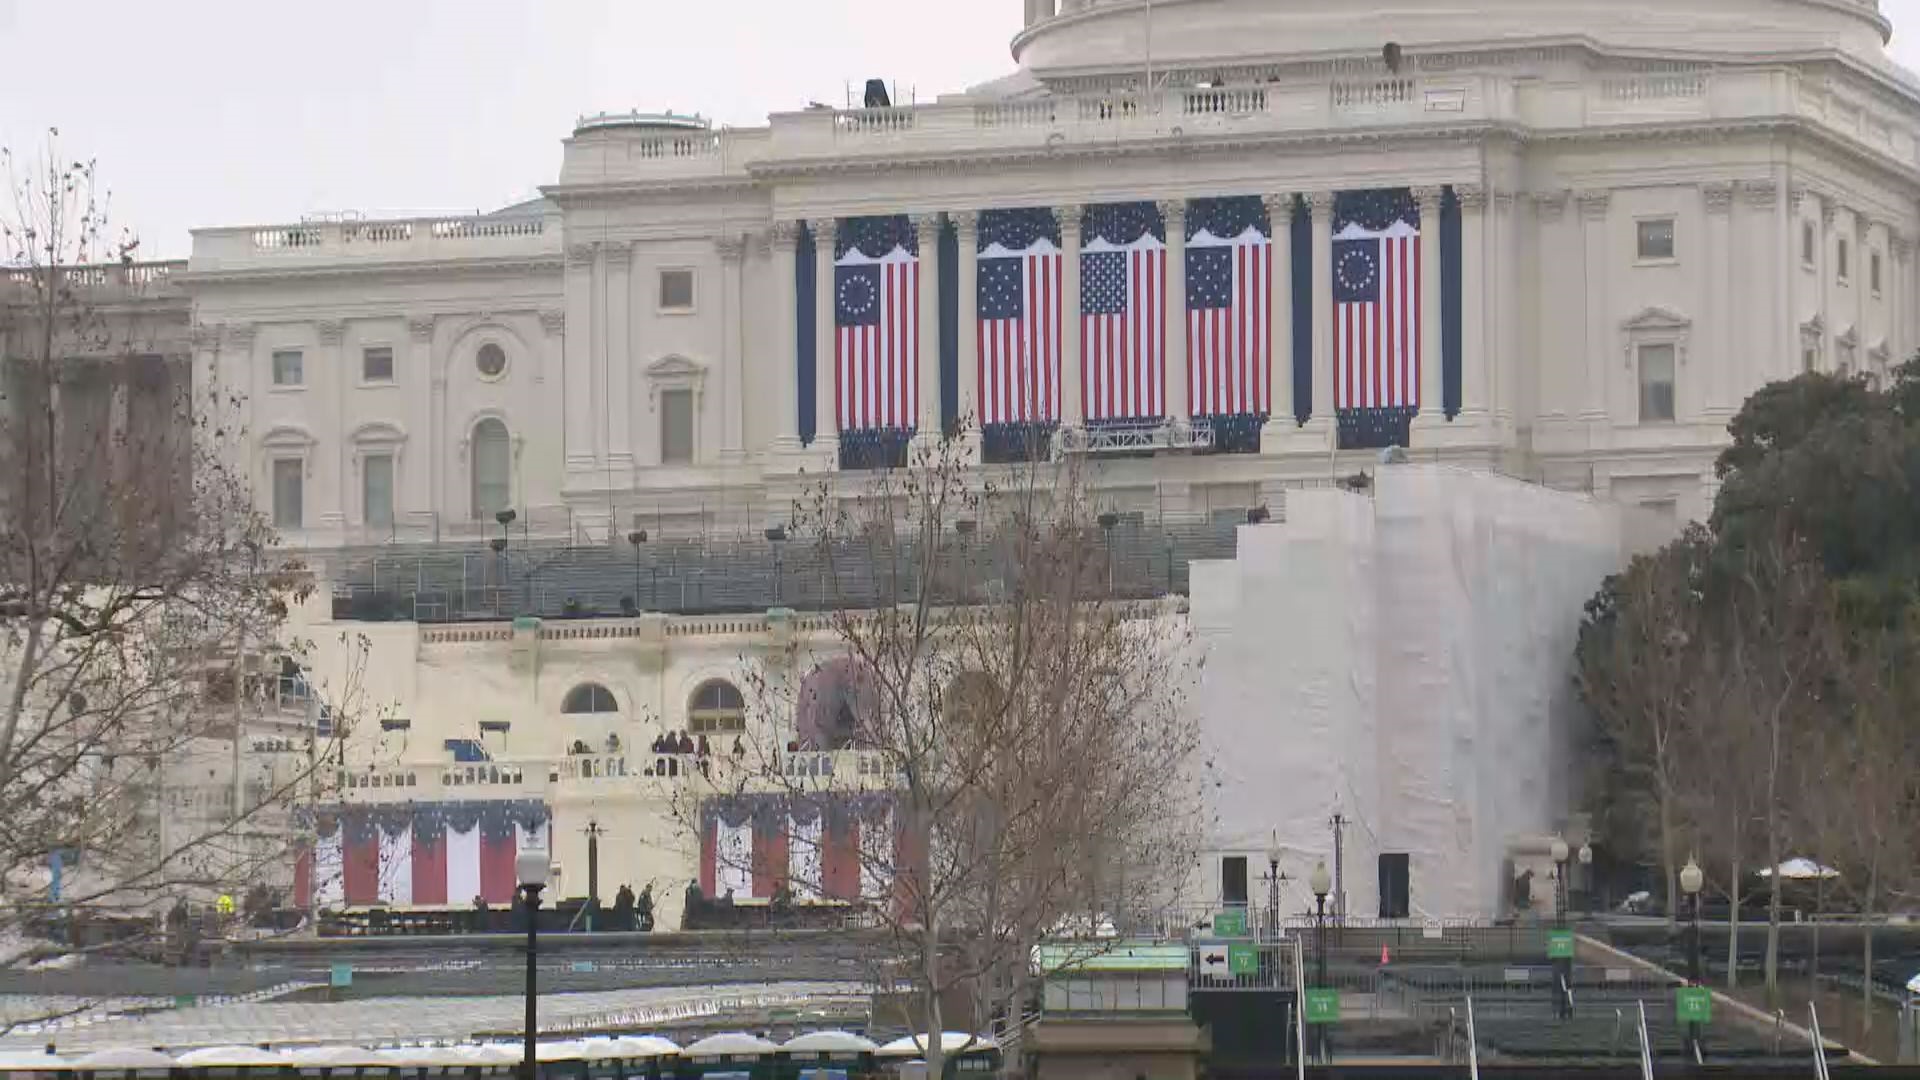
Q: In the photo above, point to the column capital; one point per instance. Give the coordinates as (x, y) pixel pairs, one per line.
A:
(420, 327)
(966, 224)
(1829, 206)
(1594, 203)
(1319, 203)
(1427, 197)
(730, 247)
(1502, 201)
(1279, 206)
(783, 235)
(554, 322)
(1471, 196)
(240, 334)
(1173, 210)
(1900, 244)
(824, 227)
(1070, 217)
(580, 254)
(616, 250)
(1550, 205)
(1761, 194)
(925, 226)
(332, 331)
(205, 337)
(1719, 197)
(1796, 194)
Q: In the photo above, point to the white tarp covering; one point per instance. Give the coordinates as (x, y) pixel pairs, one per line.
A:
(1402, 659)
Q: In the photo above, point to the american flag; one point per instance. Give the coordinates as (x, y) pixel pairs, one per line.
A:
(1122, 327)
(1376, 316)
(1229, 309)
(1019, 300)
(876, 315)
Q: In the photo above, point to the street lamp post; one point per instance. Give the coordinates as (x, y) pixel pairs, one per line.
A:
(1321, 883)
(1273, 886)
(532, 868)
(1562, 966)
(1690, 881)
(1586, 874)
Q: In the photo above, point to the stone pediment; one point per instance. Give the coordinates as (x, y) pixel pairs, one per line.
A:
(1655, 320)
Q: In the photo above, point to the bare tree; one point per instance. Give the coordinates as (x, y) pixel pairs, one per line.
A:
(1021, 725)
(142, 604)
(1722, 787)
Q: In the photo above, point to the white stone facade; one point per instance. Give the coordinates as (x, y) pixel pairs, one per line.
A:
(1563, 129)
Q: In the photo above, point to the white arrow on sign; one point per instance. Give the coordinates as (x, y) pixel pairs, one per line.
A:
(1214, 961)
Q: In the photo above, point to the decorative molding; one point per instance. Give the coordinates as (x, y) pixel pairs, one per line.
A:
(579, 256)
(332, 331)
(1503, 201)
(1470, 196)
(1429, 196)
(1829, 206)
(675, 372)
(1719, 197)
(206, 337)
(823, 228)
(1320, 204)
(1173, 212)
(553, 321)
(290, 440)
(617, 250)
(1550, 205)
(1901, 245)
(926, 227)
(240, 335)
(783, 235)
(1072, 219)
(1796, 194)
(1280, 209)
(1656, 326)
(420, 327)
(966, 225)
(731, 248)
(1594, 203)
(1761, 194)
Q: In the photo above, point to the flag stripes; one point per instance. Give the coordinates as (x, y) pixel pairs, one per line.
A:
(1123, 332)
(1020, 310)
(876, 340)
(1229, 317)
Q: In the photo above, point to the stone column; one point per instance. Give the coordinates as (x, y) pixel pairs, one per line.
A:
(1899, 339)
(1280, 415)
(1432, 319)
(578, 378)
(1827, 280)
(1173, 213)
(926, 231)
(1862, 278)
(1599, 339)
(781, 239)
(332, 505)
(1474, 405)
(412, 493)
(1722, 268)
(1073, 414)
(826, 388)
(966, 227)
(619, 354)
(1320, 205)
(732, 249)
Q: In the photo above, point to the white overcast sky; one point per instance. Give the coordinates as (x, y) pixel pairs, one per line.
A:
(238, 112)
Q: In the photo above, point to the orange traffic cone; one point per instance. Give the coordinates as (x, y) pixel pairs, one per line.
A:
(1385, 956)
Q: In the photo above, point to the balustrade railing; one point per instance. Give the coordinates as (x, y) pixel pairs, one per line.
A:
(875, 121)
(1372, 93)
(1229, 101)
(1659, 87)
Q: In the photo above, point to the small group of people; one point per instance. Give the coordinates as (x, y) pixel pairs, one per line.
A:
(631, 912)
(580, 745)
(679, 742)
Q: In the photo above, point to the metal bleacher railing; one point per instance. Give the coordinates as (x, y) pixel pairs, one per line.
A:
(472, 582)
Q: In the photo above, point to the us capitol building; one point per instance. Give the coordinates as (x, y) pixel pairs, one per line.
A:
(1222, 249)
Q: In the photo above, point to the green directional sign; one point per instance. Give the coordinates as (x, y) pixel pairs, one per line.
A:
(1243, 960)
(185, 1001)
(1560, 945)
(1230, 923)
(1693, 1005)
(1323, 1006)
(342, 975)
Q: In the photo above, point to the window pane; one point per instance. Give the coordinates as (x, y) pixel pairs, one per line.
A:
(286, 367)
(1875, 276)
(1656, 239)
(377, 489)
(288, 497)
(676, 427)
(1806, 243)
(376, 364)
(1845, 258)
(676, 289)
(492, 469)
(1656, 382)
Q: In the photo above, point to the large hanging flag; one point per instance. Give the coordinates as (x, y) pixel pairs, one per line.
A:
(1229, 307)
(1019, 306)
(1376, 303)
(876, 314)
(421, 855)
(1123, 288)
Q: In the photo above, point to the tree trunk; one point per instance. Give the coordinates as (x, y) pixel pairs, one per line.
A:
(1733, 927)
(1773, 916)
(1866, 934)
(1666, 848)
(930, 970)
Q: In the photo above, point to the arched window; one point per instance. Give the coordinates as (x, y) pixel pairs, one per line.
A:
(589, 698)
(716, 707)
(836, 702)
(492, 462)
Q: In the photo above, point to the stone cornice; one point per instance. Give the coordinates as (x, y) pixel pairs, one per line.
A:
(1718, 196)
(477, 267)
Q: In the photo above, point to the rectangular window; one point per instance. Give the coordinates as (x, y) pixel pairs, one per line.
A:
(676, 427)
(1873, 273)
(289, 495)
(1233, 879)
(376, 364)
(376, 489)
(287, 368)
(1656, 383)
(1843, 261)
(676, 290)
(1656, 239)
(1806, 359)
(1807, 247)
(1844, 359)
